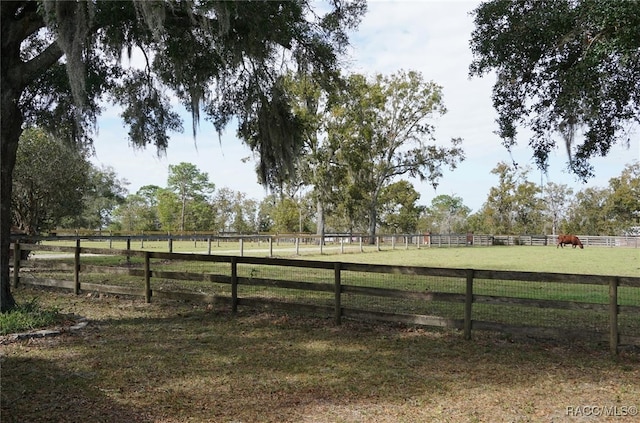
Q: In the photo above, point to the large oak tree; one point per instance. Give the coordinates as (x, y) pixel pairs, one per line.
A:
(569, 70)
(226, 59)
(382, 129)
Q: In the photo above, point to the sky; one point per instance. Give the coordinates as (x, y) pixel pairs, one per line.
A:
(429, 36)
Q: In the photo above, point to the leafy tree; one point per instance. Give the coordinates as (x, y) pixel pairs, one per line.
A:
(589, 214)
(50, 180)
(557, 200)
(104, 192)
(286, 216)
(234, 212)
(266, 211)
(528, 208)
(223, 207)
(169, 211)
(317, 166)
(245, 216)
(399, 212)
(512, 207)
(352, 208)
(148, 216)
(224, 58)
(383, 129)
(562, 67)
(447, 214)
(191, 186)
(200, 216)
(624, 200)
(135, 214)
(612, 210)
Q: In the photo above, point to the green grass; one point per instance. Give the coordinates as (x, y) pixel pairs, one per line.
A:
(172, 361)
(175, 362)
(26, 316)
(591, 260)
(597, 261)
(602, 261)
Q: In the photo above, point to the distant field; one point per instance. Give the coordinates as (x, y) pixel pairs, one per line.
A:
(591, 260)
(597, 261)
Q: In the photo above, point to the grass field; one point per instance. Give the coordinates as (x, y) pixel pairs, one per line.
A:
(603, 261)
(176, 362)
(596, 260)
(184, 362)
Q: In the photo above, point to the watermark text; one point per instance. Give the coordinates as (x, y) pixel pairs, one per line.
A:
(601, 410)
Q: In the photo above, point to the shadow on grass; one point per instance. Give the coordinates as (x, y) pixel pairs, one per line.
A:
(38, 390)
(177, 362)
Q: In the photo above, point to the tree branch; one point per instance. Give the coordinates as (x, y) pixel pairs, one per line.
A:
(32, 69)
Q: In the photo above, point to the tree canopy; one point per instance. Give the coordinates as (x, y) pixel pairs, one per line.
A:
(513, 206)
(50, 179)
(566, 69)
(383, 129)
(226, 59)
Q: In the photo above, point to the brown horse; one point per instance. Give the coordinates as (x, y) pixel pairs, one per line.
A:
(569, 239)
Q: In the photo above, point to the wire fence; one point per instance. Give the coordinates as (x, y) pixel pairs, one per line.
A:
(606, 307)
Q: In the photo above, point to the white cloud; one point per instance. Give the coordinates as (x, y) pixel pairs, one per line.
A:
(428, 36)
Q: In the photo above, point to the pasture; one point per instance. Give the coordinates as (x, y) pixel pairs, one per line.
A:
(591, 260)
(172, 361)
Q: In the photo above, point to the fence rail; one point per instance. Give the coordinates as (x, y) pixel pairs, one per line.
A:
(394, 240)
(604, 308)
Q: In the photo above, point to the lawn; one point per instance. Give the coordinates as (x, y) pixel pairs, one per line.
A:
(173, 361)
(590, 260)
(596, 260)
(177, 362)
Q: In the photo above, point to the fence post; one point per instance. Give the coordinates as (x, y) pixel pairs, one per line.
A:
(338, 293)
(241, 247)
(234, 284)
(361, 249)
(16, 263)
(270, 247)
(468, 303)
(170, 244)
(76, 268)
(297, 246)
(147, 277)
(613, 316)
(128, 249)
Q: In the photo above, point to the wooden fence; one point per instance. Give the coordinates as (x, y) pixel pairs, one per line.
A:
(464, 299)
(316, 244)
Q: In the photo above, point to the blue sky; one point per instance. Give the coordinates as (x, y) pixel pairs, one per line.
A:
(431, 37)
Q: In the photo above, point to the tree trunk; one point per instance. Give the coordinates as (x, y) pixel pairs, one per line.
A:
(320, 220)
(373, 221)
(11, 128)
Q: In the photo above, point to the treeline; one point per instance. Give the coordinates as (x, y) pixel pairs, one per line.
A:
(57, 186)
(516, 205)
